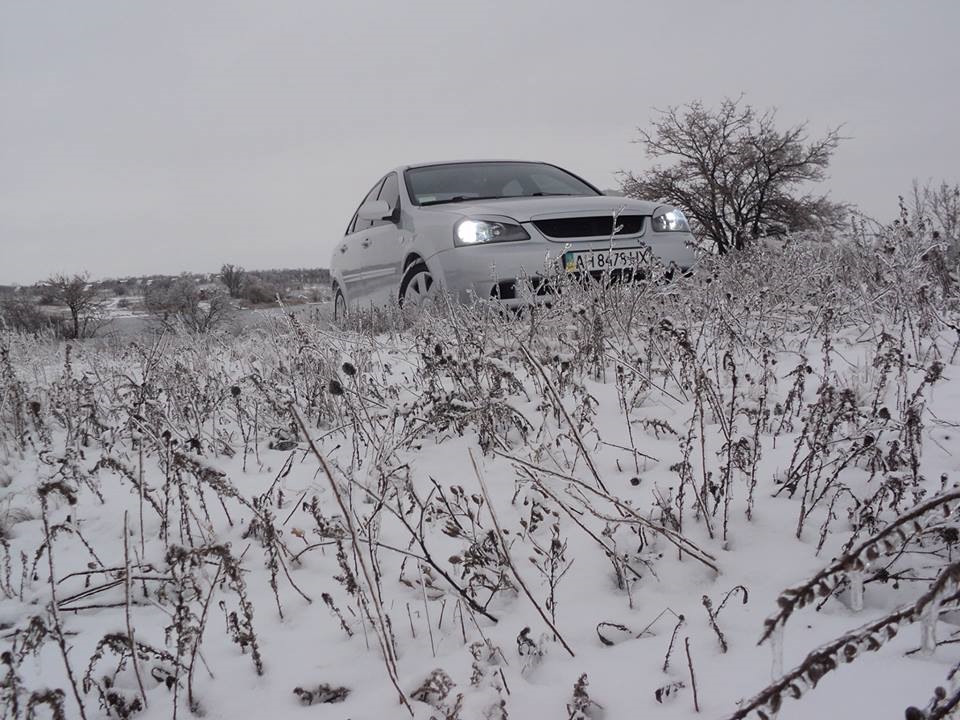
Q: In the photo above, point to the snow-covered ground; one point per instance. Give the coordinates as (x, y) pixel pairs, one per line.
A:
(620, 486)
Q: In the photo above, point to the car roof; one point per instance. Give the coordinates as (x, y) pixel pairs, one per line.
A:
(470, 161)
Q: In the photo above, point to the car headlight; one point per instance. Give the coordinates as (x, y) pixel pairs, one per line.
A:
(670, 220)
(476, 232)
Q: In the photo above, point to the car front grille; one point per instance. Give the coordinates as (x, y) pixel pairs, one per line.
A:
(589, 227)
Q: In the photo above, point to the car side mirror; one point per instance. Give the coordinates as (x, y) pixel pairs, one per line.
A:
(375, 210)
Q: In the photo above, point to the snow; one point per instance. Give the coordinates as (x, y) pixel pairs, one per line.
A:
(379, 455)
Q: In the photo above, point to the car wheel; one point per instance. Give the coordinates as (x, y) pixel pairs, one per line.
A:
(418, 286)
(339, 307)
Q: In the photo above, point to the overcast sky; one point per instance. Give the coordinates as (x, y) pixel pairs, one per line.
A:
(168, 136)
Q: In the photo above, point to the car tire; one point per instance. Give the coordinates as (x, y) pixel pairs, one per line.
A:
(339, 307)
(418, 285)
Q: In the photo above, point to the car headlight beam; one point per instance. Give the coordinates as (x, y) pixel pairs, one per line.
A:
(670, 220)
(478, 231)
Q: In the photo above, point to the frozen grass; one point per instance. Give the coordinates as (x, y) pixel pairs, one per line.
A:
(593, 510)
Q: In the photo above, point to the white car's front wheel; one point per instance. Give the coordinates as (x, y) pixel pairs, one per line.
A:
(418, 286)
(339, 307)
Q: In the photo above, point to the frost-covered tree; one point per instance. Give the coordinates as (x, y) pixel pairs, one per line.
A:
(181, 302)
(232, 276)
(79, 296)
(735, 172)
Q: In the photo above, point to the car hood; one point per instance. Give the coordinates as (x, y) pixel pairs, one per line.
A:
(525, 209)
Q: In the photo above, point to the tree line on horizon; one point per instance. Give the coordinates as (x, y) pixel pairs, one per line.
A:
(75, 306)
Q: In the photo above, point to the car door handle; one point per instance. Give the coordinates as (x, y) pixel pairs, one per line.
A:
(365, 242)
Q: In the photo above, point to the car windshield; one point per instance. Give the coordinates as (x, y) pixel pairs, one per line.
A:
(463, 182)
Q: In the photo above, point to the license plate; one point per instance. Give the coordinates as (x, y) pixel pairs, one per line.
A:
(592, 260)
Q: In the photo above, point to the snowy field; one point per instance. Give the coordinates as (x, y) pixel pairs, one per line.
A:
(733, 496)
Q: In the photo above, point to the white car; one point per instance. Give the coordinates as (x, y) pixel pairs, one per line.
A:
(480, 230)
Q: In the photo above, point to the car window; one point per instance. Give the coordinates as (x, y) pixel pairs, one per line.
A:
(550, 184)
(353, 222)
(390, 194)
(356, 225)
(459, 182)
(512, 189)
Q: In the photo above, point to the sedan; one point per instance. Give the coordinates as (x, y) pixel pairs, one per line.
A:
(487, 229)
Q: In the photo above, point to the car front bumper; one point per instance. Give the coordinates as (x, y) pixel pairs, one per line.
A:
(500, 270)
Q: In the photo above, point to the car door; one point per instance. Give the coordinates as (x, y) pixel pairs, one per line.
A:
(385, 247)
(353, 256)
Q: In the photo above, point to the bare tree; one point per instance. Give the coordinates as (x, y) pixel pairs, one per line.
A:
(181, 303)
(232, 276)
(734, 172)
(79, 296)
